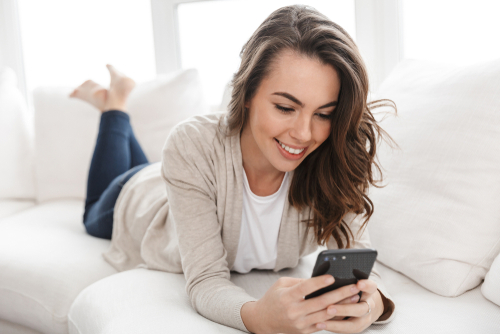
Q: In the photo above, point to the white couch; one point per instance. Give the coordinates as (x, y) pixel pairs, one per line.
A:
(53, 278)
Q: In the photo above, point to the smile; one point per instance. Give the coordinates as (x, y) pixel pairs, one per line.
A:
(290, 150)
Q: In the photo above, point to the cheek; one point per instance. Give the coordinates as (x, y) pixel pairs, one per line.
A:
(267, 124)
(323, 131)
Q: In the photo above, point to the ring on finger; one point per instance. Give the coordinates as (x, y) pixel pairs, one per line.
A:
(369, 307)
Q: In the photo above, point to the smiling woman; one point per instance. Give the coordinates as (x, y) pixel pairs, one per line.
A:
(241, 190)
(280, 130)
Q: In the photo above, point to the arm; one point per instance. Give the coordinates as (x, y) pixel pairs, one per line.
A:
(191, 191)
(363, 241)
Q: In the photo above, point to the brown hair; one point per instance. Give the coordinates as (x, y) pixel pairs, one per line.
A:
(333, 179)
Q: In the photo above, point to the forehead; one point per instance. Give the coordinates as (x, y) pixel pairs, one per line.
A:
(302, 76)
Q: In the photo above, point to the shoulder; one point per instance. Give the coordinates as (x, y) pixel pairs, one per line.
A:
(197, 133)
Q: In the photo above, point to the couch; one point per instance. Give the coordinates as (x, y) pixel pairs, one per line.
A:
(443, 274)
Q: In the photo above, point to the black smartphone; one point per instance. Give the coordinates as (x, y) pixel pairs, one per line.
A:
(347, 266)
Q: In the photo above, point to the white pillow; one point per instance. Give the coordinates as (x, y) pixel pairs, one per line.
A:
(491, 285)
(66, 128)
(437, 220)
(17, 177)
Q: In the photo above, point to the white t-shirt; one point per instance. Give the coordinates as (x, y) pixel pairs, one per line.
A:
(260, 224)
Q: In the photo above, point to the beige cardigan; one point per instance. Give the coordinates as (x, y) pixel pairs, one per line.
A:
(196, 230)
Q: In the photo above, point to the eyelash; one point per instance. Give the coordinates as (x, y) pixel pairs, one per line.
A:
(288, 110)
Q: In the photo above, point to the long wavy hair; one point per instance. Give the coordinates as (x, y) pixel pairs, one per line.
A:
(333, 179)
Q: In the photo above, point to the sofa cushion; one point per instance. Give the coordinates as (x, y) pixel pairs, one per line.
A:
(17, 174)
(66, 128)
(147, 301)
(47, 259)
(10, 207)
(437, 220)
(7, 327)
(491, 286)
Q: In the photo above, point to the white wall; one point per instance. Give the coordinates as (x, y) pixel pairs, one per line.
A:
(11, 54)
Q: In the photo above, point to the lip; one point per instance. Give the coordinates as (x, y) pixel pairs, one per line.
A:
(294, 147)
(289, 155)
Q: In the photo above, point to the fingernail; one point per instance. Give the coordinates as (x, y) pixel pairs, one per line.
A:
(354, 298)
(332, 310)
(354, 289)
(329, 280)
(361, 285)
(321, 326)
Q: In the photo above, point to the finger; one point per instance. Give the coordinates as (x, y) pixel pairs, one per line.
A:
(289, 281)
(321, 317)
(367, 285)
(351, 310)
(332, 297)
(308, 286)
(349, 300)
(332, 312)
(351, 325)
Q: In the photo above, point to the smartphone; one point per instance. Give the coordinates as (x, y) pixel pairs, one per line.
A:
(347, 266)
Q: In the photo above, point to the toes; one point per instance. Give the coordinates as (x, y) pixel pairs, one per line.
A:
(112, 70)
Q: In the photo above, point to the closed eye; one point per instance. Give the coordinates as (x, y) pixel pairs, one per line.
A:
(289, 110)
(283, 109)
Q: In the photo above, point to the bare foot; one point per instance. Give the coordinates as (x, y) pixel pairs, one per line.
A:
(119, 89)
(92, 93)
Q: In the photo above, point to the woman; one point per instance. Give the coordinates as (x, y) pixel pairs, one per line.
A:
(294, 151)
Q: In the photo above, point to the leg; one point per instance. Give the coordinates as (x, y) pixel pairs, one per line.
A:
(137, 156)
(111, 153)
(98, 219)
(116, 152)
(111, 163)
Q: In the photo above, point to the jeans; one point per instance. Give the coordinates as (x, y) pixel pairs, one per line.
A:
(117, 157)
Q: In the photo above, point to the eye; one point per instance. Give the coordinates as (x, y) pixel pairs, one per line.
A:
(283, 109)
(325, 117)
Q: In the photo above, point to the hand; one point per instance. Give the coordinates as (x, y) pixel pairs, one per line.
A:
(283, 308)
(359, 320)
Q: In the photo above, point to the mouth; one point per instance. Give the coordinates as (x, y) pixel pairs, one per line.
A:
(290, 153)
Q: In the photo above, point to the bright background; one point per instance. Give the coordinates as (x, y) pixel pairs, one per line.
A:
(65, 42)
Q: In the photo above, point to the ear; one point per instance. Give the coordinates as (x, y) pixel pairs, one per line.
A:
(247, 105)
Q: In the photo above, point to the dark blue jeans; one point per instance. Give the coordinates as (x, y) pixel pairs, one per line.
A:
(117, 157)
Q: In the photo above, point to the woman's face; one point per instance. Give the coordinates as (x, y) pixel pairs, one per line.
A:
(292, 108)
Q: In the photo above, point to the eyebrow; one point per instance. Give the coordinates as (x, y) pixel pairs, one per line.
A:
(296, 100)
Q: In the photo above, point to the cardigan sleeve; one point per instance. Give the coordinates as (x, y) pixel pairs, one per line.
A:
(363, 241)
(191, 190)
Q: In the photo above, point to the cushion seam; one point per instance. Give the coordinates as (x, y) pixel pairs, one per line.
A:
(58, 318)
(478, 264)
(73, 323)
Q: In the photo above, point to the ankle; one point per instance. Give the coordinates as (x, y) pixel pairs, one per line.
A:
(110, 105)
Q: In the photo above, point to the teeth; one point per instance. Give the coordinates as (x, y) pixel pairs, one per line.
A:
(291, 150)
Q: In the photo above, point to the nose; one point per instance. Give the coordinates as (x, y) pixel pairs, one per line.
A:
(301, 130)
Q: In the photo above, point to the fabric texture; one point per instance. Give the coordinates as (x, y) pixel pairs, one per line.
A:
(194, 226)
(437, 218)
(66, 128)
(260, 223)
(491, 286)
(17, 170)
